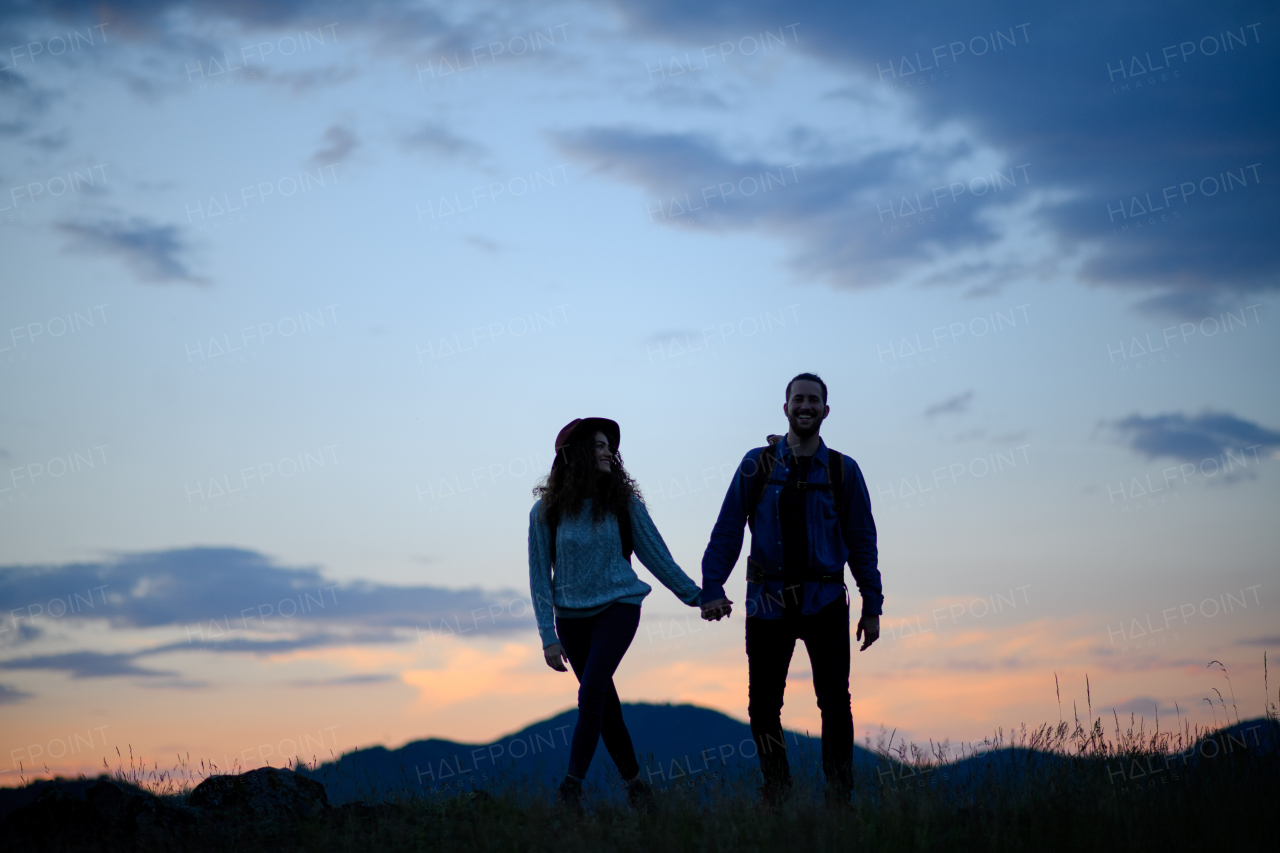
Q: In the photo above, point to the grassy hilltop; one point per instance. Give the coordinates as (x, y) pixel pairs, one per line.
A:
(1065, 787)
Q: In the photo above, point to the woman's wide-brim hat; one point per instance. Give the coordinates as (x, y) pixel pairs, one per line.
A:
(604, 425)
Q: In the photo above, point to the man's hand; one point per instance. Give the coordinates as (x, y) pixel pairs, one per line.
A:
(871, 625)
(714, 611)
(556, 657)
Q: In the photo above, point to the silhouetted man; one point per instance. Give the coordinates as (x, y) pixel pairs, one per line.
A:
(809, 513)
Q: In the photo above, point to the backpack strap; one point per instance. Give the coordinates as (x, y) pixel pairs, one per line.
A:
(624, 531)
(835, 477)
(759, 479)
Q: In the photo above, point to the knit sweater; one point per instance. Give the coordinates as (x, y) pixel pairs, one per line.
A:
(590, 571)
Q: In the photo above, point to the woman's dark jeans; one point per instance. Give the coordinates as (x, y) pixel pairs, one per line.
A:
(595, 647)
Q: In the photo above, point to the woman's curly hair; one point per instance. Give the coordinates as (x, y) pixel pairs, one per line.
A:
(574, 477)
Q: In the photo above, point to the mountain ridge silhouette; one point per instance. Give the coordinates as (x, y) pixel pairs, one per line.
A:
(676, 744)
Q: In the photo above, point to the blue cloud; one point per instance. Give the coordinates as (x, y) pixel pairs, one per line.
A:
(1270, 642)
(1193, 439)
(957, 405)
(87, 665)
(347, 680)
(1050, 100)
(229, 600)
(836, 212)
(234, 639)
(1147, 707)
(244, 591)
(152, 251)
(339, 142)
(12, 695)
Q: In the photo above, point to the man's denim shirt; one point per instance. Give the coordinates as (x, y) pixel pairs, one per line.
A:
(827, 550)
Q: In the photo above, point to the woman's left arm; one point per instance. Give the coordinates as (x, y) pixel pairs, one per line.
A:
(653, 552)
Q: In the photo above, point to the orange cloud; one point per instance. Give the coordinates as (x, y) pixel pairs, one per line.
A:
(470, 671)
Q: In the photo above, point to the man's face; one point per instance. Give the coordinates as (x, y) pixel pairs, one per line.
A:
(805, 409)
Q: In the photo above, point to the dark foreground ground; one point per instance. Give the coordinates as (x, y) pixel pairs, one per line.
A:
(1218, 792)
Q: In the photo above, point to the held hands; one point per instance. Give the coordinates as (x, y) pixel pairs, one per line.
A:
(871, 625)
(714, 611)
(556, 657)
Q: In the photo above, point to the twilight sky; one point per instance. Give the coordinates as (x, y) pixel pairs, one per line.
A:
(296, 296)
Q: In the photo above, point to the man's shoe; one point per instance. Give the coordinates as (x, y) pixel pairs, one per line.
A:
(640, 796)
(570, 795)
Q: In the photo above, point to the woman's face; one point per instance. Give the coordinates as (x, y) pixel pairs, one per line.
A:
(604, 456)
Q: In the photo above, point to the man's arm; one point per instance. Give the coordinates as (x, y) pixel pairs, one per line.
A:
(726, 537)
(860, 534)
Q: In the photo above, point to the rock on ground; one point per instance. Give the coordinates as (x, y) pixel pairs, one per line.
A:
(265, 792)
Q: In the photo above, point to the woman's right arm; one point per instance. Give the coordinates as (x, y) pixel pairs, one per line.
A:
(540, 575)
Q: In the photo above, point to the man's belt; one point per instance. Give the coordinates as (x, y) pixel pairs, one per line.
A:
(803, 485)
(756, 573)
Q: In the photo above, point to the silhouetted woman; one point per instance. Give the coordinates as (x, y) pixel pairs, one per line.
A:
(588, 519)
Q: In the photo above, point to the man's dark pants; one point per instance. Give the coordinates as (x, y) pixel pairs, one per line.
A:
(770, 644)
